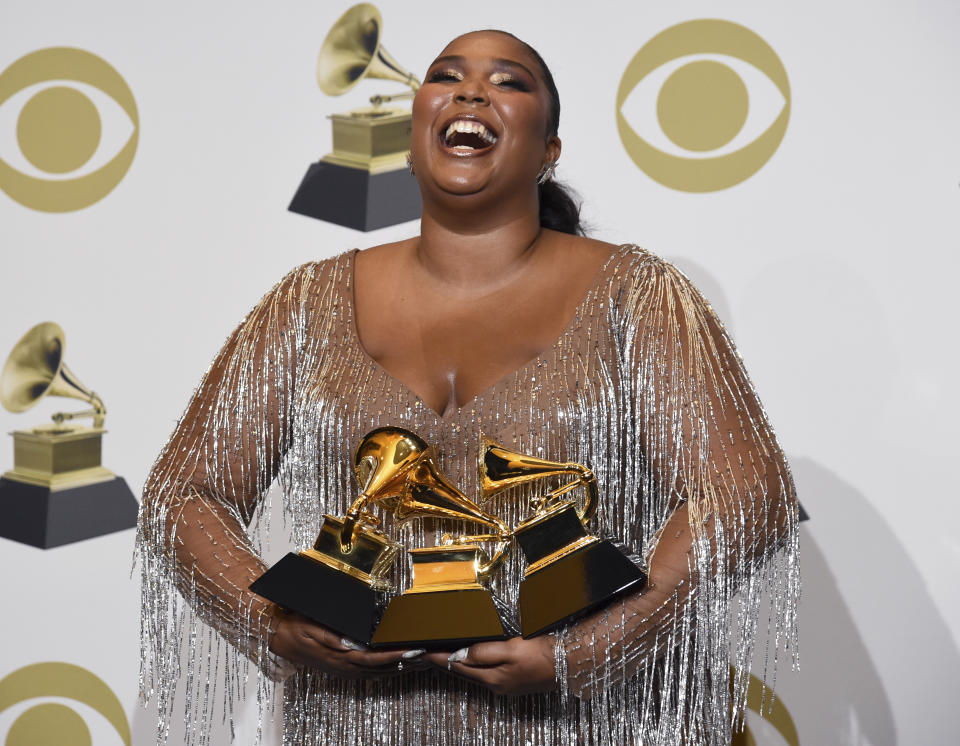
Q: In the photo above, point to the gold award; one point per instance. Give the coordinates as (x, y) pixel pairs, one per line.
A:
(58, 491)
(365, 182)
(339, 582)
(446, 605)
(569, 572)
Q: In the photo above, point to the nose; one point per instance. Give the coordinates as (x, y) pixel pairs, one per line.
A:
(470, 91)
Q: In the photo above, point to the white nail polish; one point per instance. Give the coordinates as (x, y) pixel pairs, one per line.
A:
(350, 644)
(413, 653)
(459, 655)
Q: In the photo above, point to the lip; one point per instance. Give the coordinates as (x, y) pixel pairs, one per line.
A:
(441, 135)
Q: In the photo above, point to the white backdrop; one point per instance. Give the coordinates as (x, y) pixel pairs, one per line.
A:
(834, 266)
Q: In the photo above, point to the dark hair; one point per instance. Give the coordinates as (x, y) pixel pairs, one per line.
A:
(559, 210)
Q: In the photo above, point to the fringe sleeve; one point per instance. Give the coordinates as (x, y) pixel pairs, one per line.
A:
(202, 493)
(717, 519)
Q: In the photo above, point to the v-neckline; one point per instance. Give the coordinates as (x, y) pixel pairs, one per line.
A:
(351, 303)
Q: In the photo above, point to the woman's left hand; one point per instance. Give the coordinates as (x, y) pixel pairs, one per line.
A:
(514, 666)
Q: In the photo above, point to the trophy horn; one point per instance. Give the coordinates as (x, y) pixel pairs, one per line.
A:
(447, 604)
(501, 468)
(353, 50)
(383, 460)
(35, 369)
(430, 494)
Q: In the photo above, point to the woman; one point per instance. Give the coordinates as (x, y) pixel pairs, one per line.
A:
(551, 343)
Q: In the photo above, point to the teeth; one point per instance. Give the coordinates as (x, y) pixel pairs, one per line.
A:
(467, 126)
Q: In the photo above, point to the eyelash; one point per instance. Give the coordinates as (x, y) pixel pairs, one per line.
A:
(442, 76)
(508, 81)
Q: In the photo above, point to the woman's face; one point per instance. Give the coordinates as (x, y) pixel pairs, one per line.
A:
(480, 119)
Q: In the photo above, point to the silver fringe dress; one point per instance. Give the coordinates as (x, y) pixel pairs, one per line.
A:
(644, 385)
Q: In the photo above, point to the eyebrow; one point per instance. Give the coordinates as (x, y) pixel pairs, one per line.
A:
(456, 58)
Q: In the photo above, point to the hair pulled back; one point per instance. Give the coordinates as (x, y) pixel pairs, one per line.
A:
(559, 211)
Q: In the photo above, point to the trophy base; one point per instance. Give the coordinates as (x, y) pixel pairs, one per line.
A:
(574, 585)
(440, 619)
(45, 517)
(356, 198)
(329, 597)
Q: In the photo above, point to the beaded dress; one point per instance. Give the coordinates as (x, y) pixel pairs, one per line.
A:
(644, 385)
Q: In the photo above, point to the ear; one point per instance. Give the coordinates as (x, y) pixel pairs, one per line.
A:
(553, 149)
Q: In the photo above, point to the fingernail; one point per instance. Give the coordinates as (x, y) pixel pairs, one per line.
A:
(414, 653)
(459, 655)
(351, 645)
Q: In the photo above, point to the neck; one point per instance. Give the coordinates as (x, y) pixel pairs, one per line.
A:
(472, 252)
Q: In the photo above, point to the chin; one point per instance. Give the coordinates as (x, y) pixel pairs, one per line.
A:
(462, 186)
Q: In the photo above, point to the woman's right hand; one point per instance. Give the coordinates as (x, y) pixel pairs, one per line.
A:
(311, 645)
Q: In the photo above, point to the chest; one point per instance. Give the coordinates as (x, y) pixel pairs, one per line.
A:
(450, 350)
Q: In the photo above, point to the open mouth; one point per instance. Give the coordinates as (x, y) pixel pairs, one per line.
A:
(465, 136)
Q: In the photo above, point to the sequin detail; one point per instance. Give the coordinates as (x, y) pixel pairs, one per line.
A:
(644, 385)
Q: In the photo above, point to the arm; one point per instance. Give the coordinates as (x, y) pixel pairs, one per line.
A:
(208, 481)
(716, 481)
(204, 491)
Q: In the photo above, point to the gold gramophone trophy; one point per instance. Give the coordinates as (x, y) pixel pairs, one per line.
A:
(57, 492)
(569, 572)
(365, 182)
(447, 604)
(340, 582)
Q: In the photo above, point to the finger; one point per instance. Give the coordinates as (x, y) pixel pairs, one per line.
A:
(320, 635)
(374, 658)
(488, 676)
(485, 654)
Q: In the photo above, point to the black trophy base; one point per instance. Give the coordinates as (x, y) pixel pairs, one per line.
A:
(329, 597)
(356, 198)
(440, 619)
(47, 518)
(574, 585)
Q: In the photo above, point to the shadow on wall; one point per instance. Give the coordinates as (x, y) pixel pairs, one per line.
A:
(841, 692)
(839, 697)
(872, 640)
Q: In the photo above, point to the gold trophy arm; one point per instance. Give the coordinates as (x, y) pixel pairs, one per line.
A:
(353, 522)
(585, 478)
(486, 569)
(503, 537)
(99, 412)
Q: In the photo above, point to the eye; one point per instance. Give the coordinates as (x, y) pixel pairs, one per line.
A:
(47, 703)
(69, 129)
(506, 80)
(703, 105)
(441, 76)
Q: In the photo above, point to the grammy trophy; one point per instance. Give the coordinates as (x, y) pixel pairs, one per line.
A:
(569, 572)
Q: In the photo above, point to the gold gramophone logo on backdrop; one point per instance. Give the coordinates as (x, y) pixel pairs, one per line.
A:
(57, 492)
(49, 723)
(69, 129)
(364, 183)
(703, 105)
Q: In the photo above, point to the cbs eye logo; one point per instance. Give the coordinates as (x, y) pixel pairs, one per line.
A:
(684, 112)
(88, 712)
(69, 129)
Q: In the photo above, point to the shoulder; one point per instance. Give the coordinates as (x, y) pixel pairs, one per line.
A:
(384, 256)
(633, 263)
(314, 276)
(641, 282)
